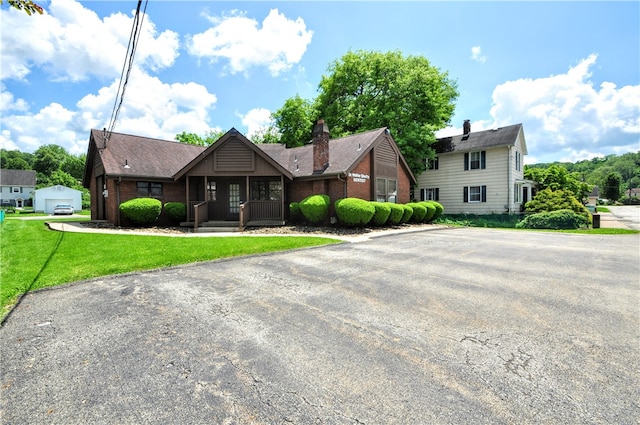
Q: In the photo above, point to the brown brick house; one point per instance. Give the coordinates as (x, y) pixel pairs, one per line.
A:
(239, 181)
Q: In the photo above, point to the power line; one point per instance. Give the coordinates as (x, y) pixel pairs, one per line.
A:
(134, 36)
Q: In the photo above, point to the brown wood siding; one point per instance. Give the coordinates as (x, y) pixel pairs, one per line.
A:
(386, 160)
(234, 157)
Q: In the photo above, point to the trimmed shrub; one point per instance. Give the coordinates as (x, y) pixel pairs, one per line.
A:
(295, 214)
(397, 212)
(560, 219)
(431, 211)
(383, 211)
(177, 211)
(354, 211)
(408, 212)
(142, 211)
(552, 200)
(315, 208)
(439, 210)
(419, 211)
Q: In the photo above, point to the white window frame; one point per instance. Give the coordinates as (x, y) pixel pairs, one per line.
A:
(472, 195)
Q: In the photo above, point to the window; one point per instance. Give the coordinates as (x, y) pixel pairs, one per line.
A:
(266, 190)
(475, 194)
(518, 161)
(149, 189)
(16, 189)
(432, 164)
(386, 190)
(475, 160)
(517, 193)
(430, 194)
(211, 191)
(234, 198)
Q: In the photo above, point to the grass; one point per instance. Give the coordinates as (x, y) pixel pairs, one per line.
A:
(33, 256)
(505, 221)
(600, 209)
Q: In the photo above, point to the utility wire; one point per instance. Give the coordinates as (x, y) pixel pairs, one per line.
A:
(134, 36)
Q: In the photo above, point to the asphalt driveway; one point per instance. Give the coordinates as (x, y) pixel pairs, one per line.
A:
(446, 326)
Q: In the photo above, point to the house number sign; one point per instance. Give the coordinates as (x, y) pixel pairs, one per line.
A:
(359, 178)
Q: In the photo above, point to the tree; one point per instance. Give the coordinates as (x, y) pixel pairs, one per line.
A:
(611, 189)
(193, 139)
(365, 90)
(27, 5)
(556, 177)
(295, 121)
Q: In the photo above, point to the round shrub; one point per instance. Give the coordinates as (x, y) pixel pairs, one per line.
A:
(397, 212)
(431, 210)
(142, 211)
(294, 212)
(177, 211)
(408, 212)
(560, 219)
(419, 212)
(439, 210)
(354, 211)
(553, 200)
(315, 208)
(383, 211)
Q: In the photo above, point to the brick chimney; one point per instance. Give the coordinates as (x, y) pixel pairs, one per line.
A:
(466, 127)
(320, 147)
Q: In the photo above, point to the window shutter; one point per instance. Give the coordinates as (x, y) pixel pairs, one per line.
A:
(423, 194)
(466, 162)
(466, 194)
(437, 193)
(483, 190)
(483, 159)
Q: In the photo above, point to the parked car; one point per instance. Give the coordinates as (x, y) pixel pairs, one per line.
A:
(63, 209)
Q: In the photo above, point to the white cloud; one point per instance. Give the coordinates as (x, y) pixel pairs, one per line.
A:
(151, 108)
(71, 43)
(256, 120)
(476, 54)
(565, 114)
(278, 44)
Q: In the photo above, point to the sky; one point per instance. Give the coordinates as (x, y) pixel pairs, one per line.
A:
(568, 71)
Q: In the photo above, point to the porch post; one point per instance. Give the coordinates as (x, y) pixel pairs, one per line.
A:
(187, 197)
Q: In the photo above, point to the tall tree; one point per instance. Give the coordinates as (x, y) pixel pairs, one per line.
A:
(611, 189)
(366, 90)
(295, 121)
(193, 139)
(556, 177)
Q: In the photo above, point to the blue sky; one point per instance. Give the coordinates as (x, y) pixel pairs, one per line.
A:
(569, 71)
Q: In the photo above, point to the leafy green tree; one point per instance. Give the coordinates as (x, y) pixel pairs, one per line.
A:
(49, 158)
(59, 177)
(15, 160)
(556, 177)
(365, 90)
(193, 139)
(27, 5)
(74, 166)
(548, 200)
(611, 188)
(295, 121)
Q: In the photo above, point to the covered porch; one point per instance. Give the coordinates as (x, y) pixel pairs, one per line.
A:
(235, 201)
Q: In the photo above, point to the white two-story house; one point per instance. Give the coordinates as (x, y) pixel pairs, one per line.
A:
(479, 173)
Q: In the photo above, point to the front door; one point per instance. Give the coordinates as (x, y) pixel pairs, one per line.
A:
(233, 208)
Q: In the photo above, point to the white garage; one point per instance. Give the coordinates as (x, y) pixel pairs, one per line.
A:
(46, 199)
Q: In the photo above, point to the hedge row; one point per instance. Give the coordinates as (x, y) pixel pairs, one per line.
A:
(358, 212)
(145, 211)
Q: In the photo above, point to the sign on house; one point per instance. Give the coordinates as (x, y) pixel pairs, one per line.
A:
(359, 178)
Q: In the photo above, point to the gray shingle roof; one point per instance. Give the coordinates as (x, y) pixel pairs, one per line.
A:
(344, 153)
(479, 140)
(146, 157)
(17, 177)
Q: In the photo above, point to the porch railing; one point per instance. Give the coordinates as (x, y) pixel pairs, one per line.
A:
(200, 213)
(260, 210)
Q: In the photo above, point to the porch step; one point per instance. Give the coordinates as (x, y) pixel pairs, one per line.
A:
(218, 226)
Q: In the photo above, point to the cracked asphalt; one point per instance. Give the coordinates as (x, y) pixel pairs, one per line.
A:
(448, 326)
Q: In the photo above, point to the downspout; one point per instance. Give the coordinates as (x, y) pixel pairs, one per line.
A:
(345, 184)
(509, 189)
(118, 200)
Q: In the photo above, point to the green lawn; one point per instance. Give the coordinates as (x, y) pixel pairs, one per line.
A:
(32, 256)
